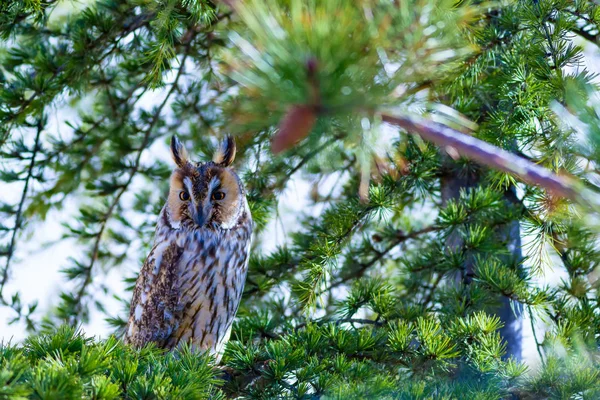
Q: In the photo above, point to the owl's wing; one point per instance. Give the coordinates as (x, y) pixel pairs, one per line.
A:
(153, 313)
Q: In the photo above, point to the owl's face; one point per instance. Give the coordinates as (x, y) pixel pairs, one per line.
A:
(205, 195)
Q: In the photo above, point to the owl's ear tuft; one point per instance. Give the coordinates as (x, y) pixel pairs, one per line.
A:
(178, 152)
(226, 152)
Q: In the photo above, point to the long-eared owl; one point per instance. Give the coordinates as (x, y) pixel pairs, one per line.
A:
(191, 284)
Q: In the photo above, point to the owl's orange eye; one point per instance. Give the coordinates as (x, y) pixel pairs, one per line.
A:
(218, 196)
(184, 196)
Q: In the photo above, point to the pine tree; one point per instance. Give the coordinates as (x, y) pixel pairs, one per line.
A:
(452, 149)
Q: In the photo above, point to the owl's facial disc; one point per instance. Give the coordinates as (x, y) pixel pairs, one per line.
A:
(205, 195)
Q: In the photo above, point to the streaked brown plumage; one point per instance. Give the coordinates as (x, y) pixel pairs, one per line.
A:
(191, 284)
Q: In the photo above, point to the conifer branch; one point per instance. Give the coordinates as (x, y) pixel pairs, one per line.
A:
(280, 183)
(45, 4)
(584, 31)
(340, 321)
(87, 276)
(81, 134)
(131, 24)
(546, 30)
(590, 37)
(400, 238)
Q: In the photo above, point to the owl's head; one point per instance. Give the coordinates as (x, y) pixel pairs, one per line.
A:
(205, 195)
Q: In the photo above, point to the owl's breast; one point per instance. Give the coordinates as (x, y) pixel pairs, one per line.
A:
(210, 279)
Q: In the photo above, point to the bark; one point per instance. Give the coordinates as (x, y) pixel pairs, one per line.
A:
(453, 180)
(512, 316)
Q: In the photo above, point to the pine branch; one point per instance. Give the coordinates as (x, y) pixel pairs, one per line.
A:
(130, 25)
(133, 24)
(590, 37)
(280, 183)
(492, 156)
(400, 238)
(81, 135)
(553, 52)
(21, 17)
(584, 31)
(107, 216)
(11, 120)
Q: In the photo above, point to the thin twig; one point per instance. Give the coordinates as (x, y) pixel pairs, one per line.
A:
(553, 52)
(19, 214)
(433, 288)
(363, 321)
(590, 37)
(581, 31)
(537, 343)
(401, 238)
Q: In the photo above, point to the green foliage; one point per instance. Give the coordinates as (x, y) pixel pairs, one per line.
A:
(317, 360)
(67, 365)
(398, 276)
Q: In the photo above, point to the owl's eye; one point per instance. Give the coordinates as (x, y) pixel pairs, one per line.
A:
(218, 196)
(184, 196)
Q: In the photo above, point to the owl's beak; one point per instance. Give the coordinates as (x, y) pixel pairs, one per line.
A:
(202, 214)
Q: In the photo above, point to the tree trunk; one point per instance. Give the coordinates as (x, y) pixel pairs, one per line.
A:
(453, 181)
(511, 316)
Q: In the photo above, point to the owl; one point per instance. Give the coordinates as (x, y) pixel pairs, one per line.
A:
(190, 286)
